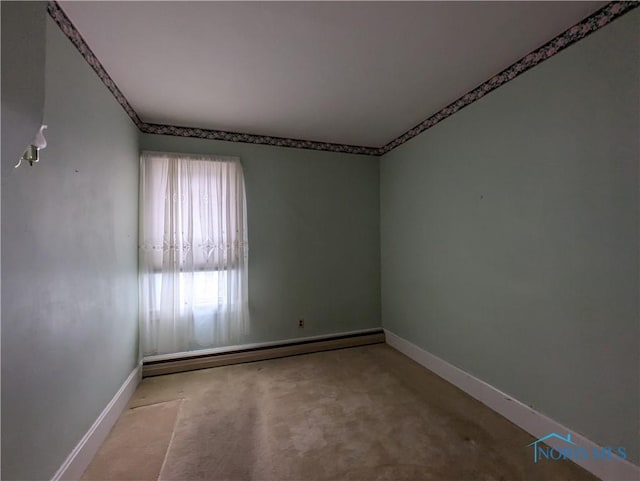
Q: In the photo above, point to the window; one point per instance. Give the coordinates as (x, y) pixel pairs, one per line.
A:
(193, 252)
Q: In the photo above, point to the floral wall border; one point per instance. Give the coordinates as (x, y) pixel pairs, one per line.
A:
(595, 21)
(209, 134)
(71, 32)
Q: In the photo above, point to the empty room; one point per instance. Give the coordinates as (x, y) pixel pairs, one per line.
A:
(320, 241)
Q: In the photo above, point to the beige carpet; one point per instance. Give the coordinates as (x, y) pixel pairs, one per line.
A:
(366, 413)
(137, 444)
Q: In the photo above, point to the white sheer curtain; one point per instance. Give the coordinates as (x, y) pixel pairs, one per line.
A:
(193, 252)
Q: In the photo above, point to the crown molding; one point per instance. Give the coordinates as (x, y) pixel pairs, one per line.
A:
(582, 29)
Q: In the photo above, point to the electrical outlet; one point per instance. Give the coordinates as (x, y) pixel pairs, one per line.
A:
(301, 323)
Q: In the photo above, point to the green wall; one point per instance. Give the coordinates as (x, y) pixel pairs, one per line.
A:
(314, 243)
(69, 262)
(510, 237)
(509, 240)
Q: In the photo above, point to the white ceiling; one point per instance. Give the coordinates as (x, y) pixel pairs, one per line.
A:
(357, 73)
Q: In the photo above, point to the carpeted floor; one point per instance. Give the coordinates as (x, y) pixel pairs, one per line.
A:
(366, 413)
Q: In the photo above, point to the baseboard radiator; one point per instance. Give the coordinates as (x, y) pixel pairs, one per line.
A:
(170, 366)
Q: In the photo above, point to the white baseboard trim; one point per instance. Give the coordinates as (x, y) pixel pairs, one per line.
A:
(83, 453)
(535, 423)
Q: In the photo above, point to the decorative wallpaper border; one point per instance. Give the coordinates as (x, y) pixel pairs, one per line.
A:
(69, 29)
(72, 33)
(161, 129)
(595, 21)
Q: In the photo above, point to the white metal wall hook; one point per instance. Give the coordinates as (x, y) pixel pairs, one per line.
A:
(32, 153)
